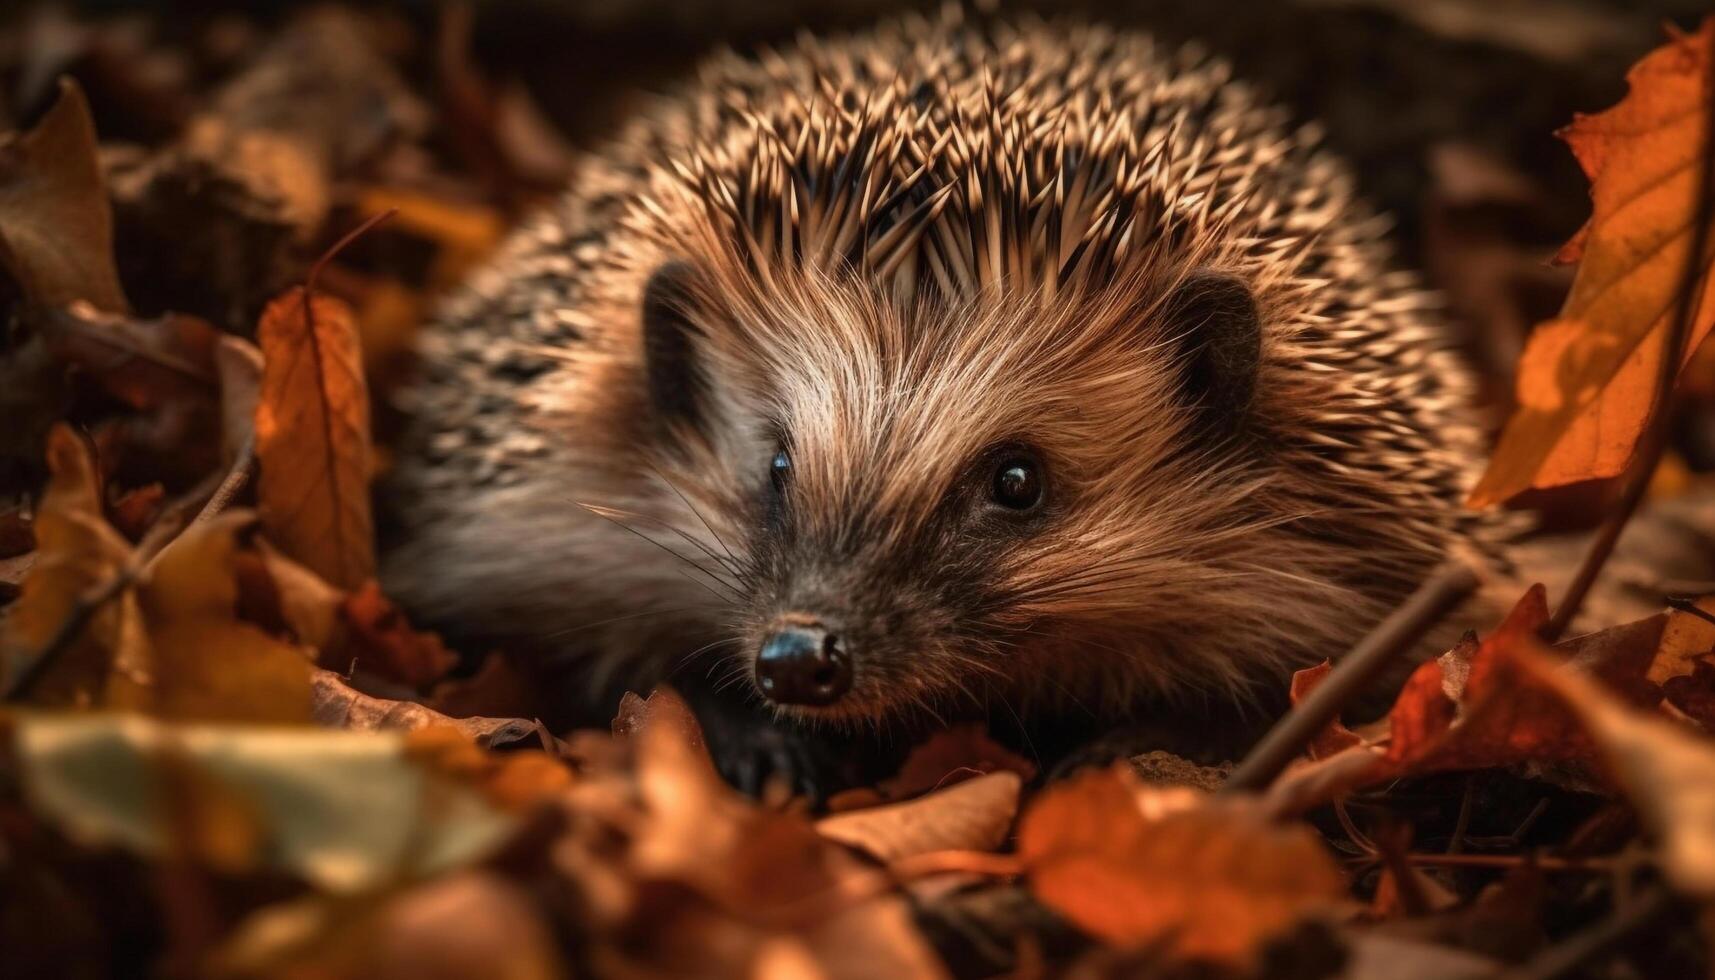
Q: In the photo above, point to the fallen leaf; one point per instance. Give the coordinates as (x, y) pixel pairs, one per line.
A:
(1666, 770)
(286, 598)
(205, 663)
(1206, 878)
(312, 438)
(381, 640)
(468, 924)
(337, 705)
(56, 226)
(144, 363)
(1687, 640)
(1473, 708)
(662, 710)
(952, 755)
(1586, 380)
(77, 552)
(970, 815)
(1336, 737)
(345, 811)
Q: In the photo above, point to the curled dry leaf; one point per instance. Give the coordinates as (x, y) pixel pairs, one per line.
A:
(312, 438)
(337, 705)
(1336, 737)
(1474, 708)
(144, 363)
(1207, 878)
(971, 815)
(56, 226)
(1586, 379)
(955, 754)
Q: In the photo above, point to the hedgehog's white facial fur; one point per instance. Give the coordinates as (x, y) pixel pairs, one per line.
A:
(906, 249)
(1161, 559)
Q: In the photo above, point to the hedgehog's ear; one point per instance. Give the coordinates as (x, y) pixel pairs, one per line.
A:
(677, 386)
(1214, 319)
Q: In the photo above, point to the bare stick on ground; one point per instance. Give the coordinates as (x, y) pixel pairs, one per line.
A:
(1432, 601)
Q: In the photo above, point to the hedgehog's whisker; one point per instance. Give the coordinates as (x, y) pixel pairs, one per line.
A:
(731, 567)
(557, 634)
(732, 558)
(711, 573)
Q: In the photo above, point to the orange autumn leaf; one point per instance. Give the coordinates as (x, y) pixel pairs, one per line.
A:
(1586, 379)
(382, 640)
(312, 438)
(1336, 737)
(1206, 878)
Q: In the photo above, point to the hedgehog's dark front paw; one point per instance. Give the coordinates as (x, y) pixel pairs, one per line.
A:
(753, 756)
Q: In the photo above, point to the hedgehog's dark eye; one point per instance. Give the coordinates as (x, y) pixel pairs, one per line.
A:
(779, 470)
(1017, 483)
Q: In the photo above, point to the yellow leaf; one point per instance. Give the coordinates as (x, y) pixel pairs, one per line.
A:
(1587, 378)
(77, 552)
(312, 438)
(208, 664)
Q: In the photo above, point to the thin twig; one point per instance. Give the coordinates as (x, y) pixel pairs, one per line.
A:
(230, 487)
(1689, 606)
(1594, 943)
(1655, 432)
(1354, 672)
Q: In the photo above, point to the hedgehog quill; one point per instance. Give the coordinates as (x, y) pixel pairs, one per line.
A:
(933, 371)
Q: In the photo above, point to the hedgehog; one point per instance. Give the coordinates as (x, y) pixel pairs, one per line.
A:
(940, 370)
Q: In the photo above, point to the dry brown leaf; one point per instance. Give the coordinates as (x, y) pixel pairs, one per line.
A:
(380, 639)
(312, 438)
(144, 363)
(970, 815)
(337, 705)
(1587, 378)
(56, 226)
(1205, 878)
(1336, 737)
(1666, 770)
(949, 756)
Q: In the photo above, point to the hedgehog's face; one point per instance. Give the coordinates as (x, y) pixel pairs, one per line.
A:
(927, 496)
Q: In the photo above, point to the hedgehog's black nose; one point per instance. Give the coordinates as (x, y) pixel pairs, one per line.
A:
(802, 663)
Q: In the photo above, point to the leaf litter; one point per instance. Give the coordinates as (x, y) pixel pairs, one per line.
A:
(215, 716)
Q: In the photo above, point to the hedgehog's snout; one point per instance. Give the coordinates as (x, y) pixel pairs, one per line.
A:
(802, 662)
